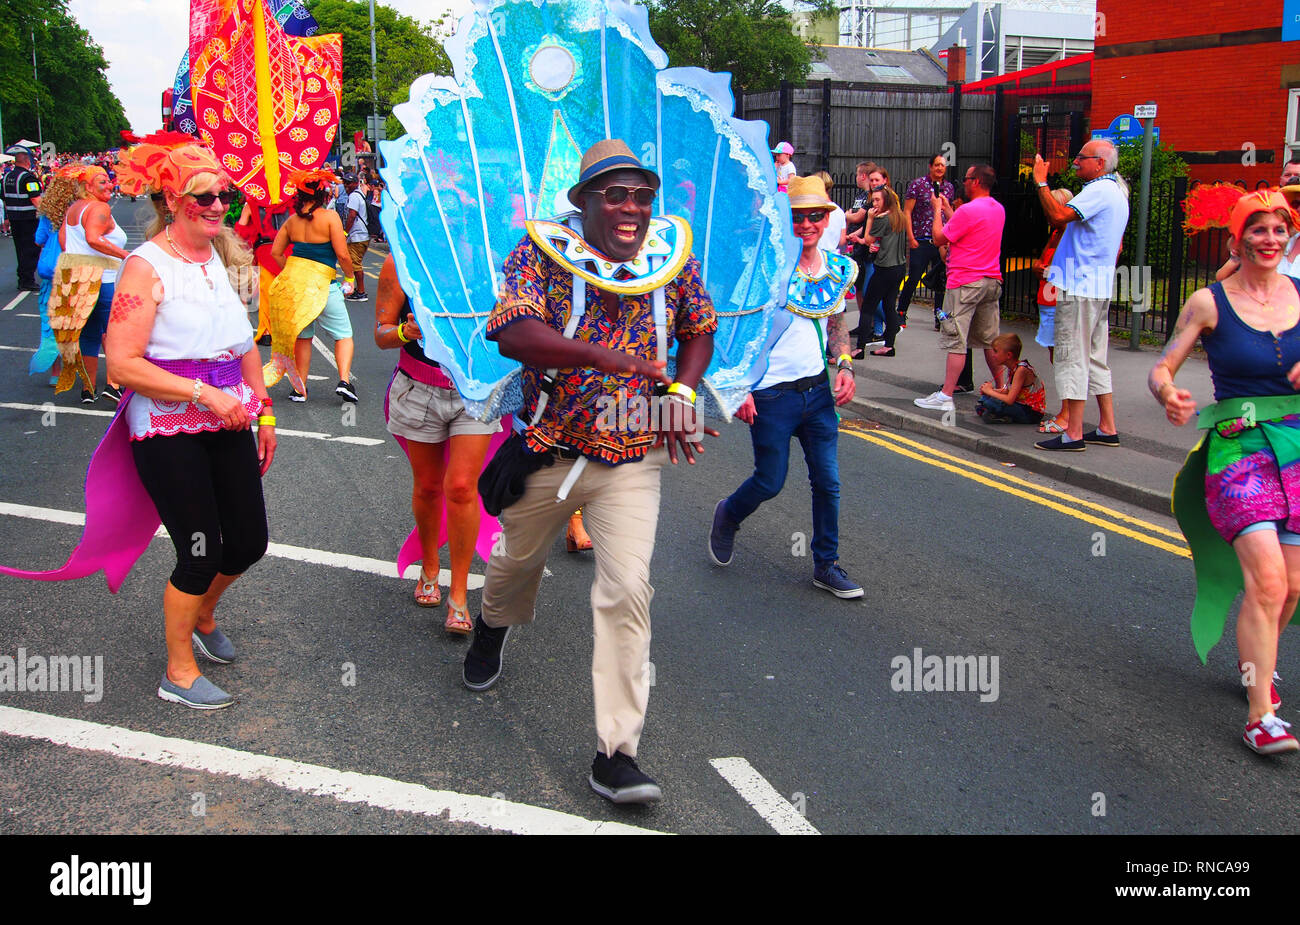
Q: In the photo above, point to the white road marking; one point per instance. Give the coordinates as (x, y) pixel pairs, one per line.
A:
(761, 795)
(19, 349)
(18, 298)
(384, 568)
(316, 342)
(318, 378)
(280, 431)
(89, 412)
(25, 315)
(345, 786)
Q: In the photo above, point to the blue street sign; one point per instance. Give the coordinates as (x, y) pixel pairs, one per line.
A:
(1290, 20)
(1125, 129)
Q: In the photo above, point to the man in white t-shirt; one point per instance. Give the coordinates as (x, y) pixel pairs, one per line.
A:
(794, 398)
(358, 235)
(1083, 272)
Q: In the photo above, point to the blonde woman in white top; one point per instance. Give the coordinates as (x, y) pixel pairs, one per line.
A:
(179, 338)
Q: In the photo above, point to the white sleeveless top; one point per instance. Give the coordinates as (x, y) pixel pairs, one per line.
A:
(76, 238)
(193, 322)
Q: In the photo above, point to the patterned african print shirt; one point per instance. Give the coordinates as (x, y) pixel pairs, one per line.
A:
(537, 287)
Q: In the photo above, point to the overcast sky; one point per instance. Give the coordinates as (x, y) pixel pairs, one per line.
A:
(143, 41)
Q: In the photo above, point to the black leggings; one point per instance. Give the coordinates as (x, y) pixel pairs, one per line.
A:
(883, 287)
(208, 492)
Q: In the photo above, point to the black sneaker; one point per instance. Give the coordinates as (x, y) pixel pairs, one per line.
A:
(483, 658)
(295, 395)
(722, 537)
(87, 397)
(346, 391)
(111, 394)
(356, 297)
(619, 780)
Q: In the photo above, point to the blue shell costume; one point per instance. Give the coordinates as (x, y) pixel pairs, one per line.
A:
(492, 150)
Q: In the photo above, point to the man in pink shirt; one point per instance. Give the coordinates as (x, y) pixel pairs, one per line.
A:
(974, 235)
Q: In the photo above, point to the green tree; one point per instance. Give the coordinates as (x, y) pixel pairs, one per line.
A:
(404, 49)
(78, 109)
(753, 40)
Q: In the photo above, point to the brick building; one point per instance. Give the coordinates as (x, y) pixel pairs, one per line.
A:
(1227, 86)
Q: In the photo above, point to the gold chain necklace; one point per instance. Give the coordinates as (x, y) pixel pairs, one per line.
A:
(203, 267)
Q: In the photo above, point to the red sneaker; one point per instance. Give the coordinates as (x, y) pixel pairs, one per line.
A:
(1268, 736)
(1275, 697)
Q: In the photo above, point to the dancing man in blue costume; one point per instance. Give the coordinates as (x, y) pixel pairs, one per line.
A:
(793, 399)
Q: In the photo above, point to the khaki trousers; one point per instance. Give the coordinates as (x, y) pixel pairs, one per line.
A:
(1082, 339)
(620, 510)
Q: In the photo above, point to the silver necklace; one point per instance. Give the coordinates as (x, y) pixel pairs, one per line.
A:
(203, 267)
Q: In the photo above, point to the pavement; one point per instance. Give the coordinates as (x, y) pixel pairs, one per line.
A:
(1140, 471)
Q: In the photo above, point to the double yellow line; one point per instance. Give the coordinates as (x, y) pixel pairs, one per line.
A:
(1096, 514)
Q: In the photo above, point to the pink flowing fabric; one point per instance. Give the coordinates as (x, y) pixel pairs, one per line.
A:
(120, 516)
(488, 526)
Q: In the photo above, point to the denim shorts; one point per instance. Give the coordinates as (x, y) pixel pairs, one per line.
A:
(1284, 536)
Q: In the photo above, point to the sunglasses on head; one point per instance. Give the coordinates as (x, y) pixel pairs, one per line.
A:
(811, 217)
(617, 195)
(227, 196)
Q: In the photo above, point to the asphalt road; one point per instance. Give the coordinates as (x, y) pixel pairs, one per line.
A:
(1100, 701)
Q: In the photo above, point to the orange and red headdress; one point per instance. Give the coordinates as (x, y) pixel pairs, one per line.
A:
(164, 161)
(312, 180)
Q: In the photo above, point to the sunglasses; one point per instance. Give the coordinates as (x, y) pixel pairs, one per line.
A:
(617, 195)
(811, 218)
(1083, 157)
(227, 196)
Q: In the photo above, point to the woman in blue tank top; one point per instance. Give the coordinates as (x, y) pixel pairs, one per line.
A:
(306, 291)
(1237, 499)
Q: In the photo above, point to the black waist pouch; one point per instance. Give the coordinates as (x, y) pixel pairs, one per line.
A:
(501, 483)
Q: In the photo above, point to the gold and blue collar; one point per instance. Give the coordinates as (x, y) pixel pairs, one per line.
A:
(818, 297)
(664, 252)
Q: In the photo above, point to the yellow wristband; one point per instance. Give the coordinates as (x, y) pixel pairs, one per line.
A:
(266, 420)
(401, 335)
(844, 358)
(679, 388)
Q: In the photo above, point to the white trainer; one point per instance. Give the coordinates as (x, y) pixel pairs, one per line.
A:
(935, 401)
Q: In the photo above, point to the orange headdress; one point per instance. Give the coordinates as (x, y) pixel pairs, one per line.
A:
(1269, 200)
(83, 173)
(164, 161)
(312, 180)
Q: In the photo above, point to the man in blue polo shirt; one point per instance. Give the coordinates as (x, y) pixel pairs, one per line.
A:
(1083, 271)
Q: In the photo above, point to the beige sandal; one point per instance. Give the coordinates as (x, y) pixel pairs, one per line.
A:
(427, 593)
(458, 620)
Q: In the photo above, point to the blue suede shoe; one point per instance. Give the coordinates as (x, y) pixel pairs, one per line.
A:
(832, 578)
(201, 695)
(215, 646)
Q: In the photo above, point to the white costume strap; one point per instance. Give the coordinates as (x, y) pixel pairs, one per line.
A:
(548, 380)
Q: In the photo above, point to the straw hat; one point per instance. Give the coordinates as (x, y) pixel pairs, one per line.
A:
(808, 193)
(604, 157)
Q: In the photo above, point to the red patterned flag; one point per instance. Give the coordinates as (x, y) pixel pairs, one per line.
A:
(266, 102)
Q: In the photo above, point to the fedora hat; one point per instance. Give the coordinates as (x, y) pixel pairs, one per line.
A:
(604, 157)
(808, 193)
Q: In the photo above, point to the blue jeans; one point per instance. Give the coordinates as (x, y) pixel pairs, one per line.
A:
(809, 416)
(1018, 413)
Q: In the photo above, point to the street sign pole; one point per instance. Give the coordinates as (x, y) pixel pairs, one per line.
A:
(374, 73)
(1147, 114)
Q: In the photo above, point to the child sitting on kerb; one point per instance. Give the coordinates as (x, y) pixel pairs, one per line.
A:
(1024, 399)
